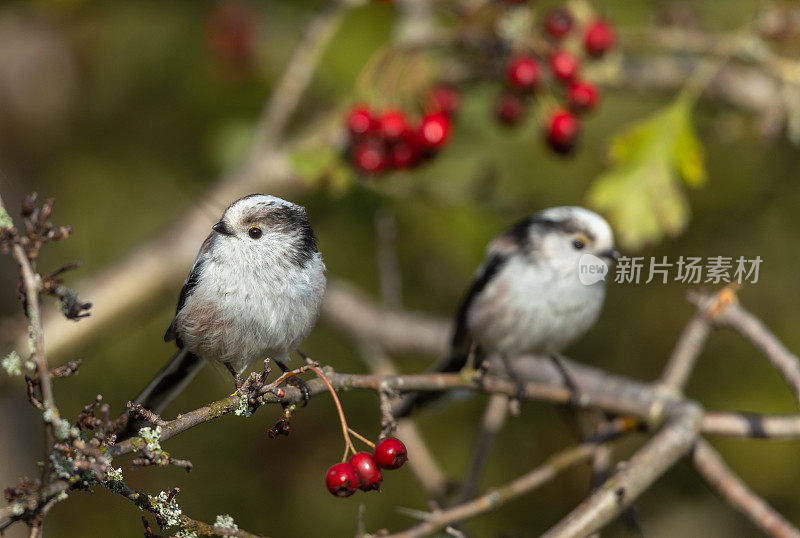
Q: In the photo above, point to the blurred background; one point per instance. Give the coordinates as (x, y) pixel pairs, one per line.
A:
(126, 112)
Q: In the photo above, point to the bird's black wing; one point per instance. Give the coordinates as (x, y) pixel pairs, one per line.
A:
(461, 345)
(461, 342)
(188, 287)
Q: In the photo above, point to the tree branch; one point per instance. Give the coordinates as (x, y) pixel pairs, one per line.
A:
(712, 468)
(659, 454)
(728, 424)
(735, 317)
(690, 344)
(494, 417)
(299, 71)
(497, 497)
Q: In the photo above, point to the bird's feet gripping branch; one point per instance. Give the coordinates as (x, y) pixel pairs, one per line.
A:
(255, 387)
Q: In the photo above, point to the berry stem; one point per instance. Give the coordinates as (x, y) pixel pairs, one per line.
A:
(348, 443)
(361, 437)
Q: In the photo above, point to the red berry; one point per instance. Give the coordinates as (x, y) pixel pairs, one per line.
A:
(434, 130)
(232, 30)
(391, 453)
(369, 476)
(509, 108)
(599, 37)
(369, 157)
(564, 65)
(523, 73)
(405, 153)
(392, 124)
(558, 22)
(446, 99)
(360, 121)
(583, 96)
(562, 131)
(342, 480)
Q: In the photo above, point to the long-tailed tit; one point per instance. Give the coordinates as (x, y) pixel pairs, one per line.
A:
(528, 296)
(254, 292)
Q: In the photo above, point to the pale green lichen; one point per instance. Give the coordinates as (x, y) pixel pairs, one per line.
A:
(17, 509)
(185, 534)
(151, 437)
(62, 466)
(61, 497)
(61, 427)
(5, 220)
(170, 511)
(243, 409)
(114, 475)
(226, 522)
(32, 333)
(12, 364)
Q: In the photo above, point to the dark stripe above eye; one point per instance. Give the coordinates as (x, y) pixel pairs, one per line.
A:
(568, 226)
(290, 220)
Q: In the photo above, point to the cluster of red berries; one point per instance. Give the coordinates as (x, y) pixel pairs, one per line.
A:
(380, 141)
(385, 141)
(362, 471)
(524, 77)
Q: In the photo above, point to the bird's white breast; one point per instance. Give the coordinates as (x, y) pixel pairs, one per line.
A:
(248, 306)
(533, 308)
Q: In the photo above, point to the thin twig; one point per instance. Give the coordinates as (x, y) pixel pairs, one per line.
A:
(737, 318)
(30, 285)
(391, 280)
(146, 502)
(297, 76)
(494, 417)
(423, 463)
(712, 468)
(497, 497)
(729, 424)
(688, 348)
(659, 454)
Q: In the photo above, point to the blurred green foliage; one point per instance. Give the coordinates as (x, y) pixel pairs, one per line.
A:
(641, 192)
(154, 120)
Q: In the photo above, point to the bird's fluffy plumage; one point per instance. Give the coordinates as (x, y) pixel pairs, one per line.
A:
(254, 298)
(534, 301)
(247, 298)
(526, 297)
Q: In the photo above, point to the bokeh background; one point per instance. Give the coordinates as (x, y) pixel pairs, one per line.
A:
(126, 112)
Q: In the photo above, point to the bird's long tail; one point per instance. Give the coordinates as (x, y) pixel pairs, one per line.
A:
(164, 387)
(170, 381)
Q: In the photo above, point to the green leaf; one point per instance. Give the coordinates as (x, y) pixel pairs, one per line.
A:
(5, 220)
(689, 155)
(642, 192)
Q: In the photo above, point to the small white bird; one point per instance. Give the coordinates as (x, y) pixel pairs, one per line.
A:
(254, 292)
(527, 296)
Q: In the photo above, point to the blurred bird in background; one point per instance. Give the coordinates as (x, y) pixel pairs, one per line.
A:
(529, 295)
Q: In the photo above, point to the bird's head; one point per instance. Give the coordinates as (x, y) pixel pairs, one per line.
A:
(266, 225)
(561, 236)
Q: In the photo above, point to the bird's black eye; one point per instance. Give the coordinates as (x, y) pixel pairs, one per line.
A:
(254, 232)
(578, 244)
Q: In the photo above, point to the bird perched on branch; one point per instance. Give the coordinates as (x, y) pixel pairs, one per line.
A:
(254, 292)
(538, 290)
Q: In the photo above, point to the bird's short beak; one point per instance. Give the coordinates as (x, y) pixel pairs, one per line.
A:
(610, 254)
(222, 228)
